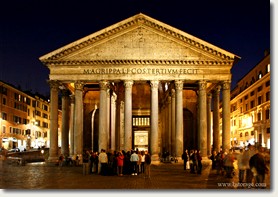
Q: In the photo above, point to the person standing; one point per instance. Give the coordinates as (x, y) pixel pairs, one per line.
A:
(103, 161)
(143, 162)
(120, 163)
(213, 160)
(185, 158)
(199, 162)
(139, 161)
(134, 160)
(148, 162)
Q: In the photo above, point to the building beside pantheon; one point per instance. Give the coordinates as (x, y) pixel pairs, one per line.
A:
(139, 83)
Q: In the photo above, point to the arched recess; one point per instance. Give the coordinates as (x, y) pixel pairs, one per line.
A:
(188, 130)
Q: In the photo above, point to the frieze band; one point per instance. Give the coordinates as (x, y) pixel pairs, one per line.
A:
(152, 71)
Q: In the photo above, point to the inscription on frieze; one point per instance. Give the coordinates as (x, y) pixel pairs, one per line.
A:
(143, 71)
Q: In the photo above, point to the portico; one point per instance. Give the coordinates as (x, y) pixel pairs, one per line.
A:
(143, 68)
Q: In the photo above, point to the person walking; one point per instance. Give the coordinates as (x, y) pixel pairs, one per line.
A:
(247, 156)
(259, 169)
(229, 163)
(241, 163)
(148, 162)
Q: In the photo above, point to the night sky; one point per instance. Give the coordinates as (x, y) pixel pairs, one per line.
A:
(30, 29)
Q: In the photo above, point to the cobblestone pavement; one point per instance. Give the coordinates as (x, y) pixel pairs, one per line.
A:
(38, 176)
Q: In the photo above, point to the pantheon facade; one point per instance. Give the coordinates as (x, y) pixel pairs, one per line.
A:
(140, 83)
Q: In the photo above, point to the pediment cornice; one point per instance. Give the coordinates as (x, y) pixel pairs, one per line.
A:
(137, 62)
(131, 23)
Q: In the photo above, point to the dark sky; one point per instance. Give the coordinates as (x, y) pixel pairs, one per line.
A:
(32, 28)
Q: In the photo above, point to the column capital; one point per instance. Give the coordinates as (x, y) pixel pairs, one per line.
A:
(54, 84)
(202, 85)
(179, 85)
(128, 84)
(103, 85)
(226, 85)
(78, 85)
(154, 84)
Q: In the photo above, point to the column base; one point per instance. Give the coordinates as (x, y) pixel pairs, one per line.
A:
(52, 161)
(155, 159)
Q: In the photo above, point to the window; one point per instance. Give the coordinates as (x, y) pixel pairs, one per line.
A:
(17, 119)
(45, 115)
(268, 130)
(45, 107)
(267, 83)
(252, 93)
(260, 88)
(38, 113)
(252, 104)
(4, 102)
(259, 100)
(141, 121)
(4, 116)
(267, 96)
(259, 116)
(267, 114)
(3, 129)
(246, 97)
(246, 134)
(45, 124)
(3, 90)
(33, 103)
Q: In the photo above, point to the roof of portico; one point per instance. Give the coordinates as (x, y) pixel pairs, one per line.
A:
(140, 48)
(139, 39)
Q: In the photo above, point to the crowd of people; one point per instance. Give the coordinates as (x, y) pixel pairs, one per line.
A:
(192, 161)
(133, 162)
(251, 163)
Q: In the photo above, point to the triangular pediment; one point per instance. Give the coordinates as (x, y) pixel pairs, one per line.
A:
(139, 38)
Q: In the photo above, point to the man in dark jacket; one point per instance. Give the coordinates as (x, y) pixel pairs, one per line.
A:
(258, 167)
